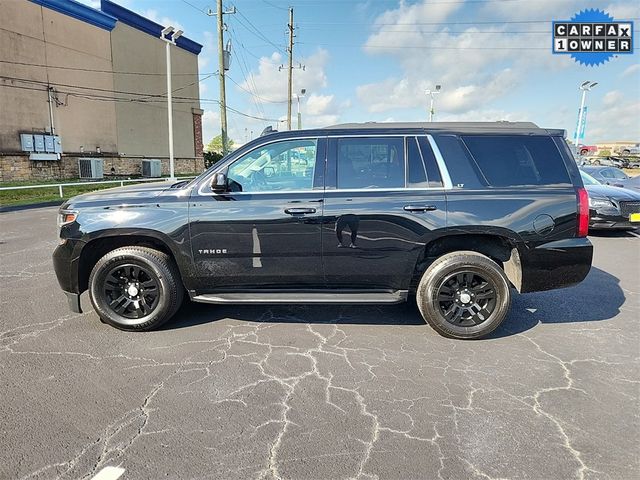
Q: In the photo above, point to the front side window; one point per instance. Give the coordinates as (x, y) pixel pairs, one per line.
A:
(370, 163)
(280, 166)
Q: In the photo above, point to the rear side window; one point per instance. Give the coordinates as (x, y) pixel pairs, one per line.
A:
(370, 162)
(517, 160)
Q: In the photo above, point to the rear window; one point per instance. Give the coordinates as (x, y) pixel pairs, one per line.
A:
(517, 160)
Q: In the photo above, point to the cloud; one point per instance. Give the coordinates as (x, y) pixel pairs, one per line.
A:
(616, 119)
(271, 82)
(154, 16)
(632, 70)
(208, 52)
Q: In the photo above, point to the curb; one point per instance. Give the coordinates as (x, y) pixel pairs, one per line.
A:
(16, 208)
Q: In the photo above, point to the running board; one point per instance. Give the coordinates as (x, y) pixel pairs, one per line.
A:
(398, 296)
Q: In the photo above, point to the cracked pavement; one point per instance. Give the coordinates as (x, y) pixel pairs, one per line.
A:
(318, 391)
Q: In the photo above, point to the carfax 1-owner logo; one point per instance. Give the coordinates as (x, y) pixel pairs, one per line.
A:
(592, 37)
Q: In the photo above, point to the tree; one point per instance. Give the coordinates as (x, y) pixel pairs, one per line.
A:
(215, 145)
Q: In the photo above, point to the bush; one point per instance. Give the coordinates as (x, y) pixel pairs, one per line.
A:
(211, 158)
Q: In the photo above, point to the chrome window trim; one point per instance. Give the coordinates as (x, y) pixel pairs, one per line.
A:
(444, 172)
(446, 179)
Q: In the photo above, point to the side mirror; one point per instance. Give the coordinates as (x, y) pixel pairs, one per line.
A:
(219, 183)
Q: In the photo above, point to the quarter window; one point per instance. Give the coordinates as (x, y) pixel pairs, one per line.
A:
(370, 163)
(279, 166)
(517, 160)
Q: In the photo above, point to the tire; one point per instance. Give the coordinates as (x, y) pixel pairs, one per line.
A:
(135, 288)
(458, 277)
(584, 151)
(626, 152)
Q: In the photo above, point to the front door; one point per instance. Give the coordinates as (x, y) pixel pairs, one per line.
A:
(264, 232)
(382, 204)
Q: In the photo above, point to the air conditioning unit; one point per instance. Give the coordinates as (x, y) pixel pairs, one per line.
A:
(90, 167)
(151, 168)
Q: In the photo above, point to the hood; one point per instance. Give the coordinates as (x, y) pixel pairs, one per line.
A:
(131, 194)
(631, 183)
(615, 193)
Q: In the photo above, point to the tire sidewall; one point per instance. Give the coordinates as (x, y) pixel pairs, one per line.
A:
(428, 289)
(99, 302)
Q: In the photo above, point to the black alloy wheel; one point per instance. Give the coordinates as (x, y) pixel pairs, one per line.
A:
(131, 291)
(466, 298)
(135, 288)
(464, 294)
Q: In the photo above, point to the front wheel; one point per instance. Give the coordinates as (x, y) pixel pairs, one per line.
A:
(135, 288)
(464, 295)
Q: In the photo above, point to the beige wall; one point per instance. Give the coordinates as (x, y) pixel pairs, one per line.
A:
(142, 127)
(36, 35)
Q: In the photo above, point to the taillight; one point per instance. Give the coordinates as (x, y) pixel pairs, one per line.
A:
(583, 212)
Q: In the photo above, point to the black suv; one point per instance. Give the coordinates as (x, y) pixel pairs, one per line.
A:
(457, 214)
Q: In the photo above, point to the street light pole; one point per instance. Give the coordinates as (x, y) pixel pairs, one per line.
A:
(585, 87)
(431, 93)
(169, 35)
(302, 92)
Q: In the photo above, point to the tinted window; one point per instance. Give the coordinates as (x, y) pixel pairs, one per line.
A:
(370, 162)
(459, 163)
(619, 174)
(606, 173)
(417, 176)
(273, 167)
(433, 173)
(517, 160)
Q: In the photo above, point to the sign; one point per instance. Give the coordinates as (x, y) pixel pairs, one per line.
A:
(592, 37)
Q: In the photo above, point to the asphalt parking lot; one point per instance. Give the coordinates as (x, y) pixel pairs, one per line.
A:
(316, 391)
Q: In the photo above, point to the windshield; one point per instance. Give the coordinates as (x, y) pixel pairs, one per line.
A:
(588, 179)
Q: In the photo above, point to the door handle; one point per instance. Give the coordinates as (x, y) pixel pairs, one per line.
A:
(299, 211)
(419, 208)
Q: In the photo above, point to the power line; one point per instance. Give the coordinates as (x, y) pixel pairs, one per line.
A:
(255, 31)
(80, 69)
(489, 22)
(105, 98)
(255, 95)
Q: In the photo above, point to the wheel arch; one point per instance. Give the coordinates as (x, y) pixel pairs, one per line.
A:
(501, 248)
(101, 243)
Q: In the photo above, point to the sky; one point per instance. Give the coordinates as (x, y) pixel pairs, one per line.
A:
(373, 60)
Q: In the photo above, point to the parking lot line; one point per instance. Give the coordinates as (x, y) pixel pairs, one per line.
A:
(109, 473)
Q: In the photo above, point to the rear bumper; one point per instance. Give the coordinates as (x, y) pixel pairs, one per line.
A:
(556, 264)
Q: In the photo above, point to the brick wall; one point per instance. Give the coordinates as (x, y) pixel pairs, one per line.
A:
(19, 168)
(197, 132)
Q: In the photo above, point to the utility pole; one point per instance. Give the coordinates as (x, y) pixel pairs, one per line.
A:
(290, 71)
(221, 70)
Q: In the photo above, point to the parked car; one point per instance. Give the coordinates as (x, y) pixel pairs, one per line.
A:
(458, 214)
(609, 162)
(611, 207)
(586, 149)
(608, 175)
(629, 150)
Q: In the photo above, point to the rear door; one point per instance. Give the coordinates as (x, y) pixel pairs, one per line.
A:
(382, 204)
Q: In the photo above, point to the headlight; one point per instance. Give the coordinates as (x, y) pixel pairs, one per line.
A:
(600, 203)
(66, 216)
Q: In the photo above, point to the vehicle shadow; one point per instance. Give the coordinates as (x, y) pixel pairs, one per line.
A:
(614, 233)
(598, 298)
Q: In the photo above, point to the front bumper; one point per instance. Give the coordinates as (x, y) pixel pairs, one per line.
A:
(611, 222)
(66, 259)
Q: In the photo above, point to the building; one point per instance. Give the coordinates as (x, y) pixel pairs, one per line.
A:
(96, 79)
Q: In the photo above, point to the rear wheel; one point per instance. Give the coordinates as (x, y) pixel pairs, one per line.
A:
(135, 288)
(464, 295)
